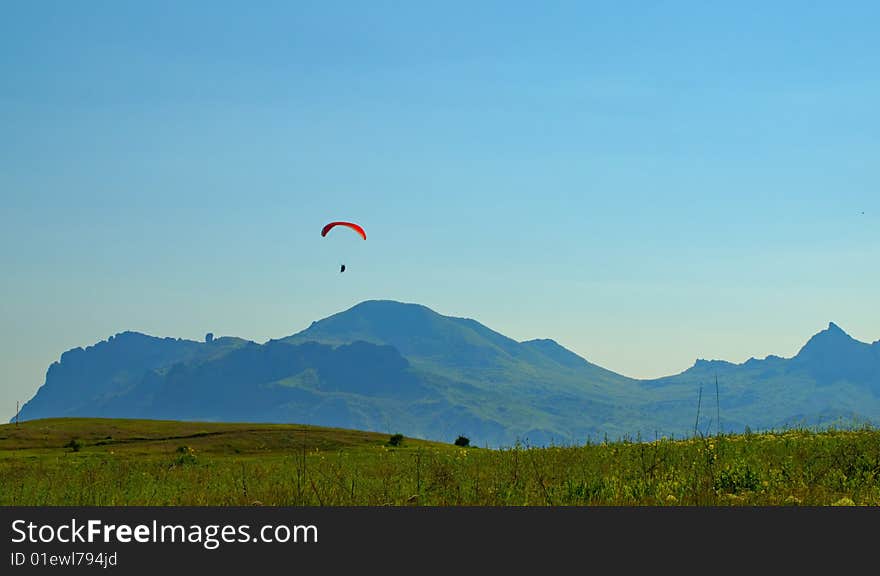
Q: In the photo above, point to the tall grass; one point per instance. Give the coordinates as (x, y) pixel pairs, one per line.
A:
(786, 467)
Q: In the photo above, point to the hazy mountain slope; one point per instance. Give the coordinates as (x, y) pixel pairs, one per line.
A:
(461, 348)
(832, 378)
(393, 367)
(85, 378)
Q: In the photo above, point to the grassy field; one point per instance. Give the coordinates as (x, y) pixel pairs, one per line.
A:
(104, 462)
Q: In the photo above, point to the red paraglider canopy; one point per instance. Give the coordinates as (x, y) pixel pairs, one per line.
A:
(351, 225)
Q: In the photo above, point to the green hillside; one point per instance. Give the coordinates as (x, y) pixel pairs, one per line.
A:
(115, 462)
(162, 437)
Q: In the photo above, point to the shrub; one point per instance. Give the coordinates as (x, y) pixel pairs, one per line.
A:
(462, 441)
(75, 445)
(738, 479)
(395, 440)
(186, 456)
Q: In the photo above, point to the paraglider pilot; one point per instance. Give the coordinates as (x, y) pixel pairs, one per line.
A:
(342, 269)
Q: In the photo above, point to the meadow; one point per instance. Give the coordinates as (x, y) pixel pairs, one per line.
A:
(111, 462)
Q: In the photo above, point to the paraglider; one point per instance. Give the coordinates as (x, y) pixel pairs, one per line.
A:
(351, 225)
(356, 227)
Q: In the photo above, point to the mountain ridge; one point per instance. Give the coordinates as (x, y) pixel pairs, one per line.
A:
(382, 365)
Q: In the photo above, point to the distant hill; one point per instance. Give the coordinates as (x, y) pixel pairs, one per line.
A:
(393, 367)
(86, 378)
(131, 437)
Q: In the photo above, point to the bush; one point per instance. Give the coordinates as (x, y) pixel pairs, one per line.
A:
(740, 478)
(395, 440)
(462, 441)
(74, 444)
(186, 456)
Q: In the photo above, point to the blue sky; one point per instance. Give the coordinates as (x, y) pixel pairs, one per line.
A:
(645, 182)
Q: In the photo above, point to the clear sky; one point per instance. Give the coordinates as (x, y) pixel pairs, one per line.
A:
(647, 183)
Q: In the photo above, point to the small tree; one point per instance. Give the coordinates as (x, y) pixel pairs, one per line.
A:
(462, 441)
(395, 440)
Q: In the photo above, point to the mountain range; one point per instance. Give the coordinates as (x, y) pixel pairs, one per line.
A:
(394, 367)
